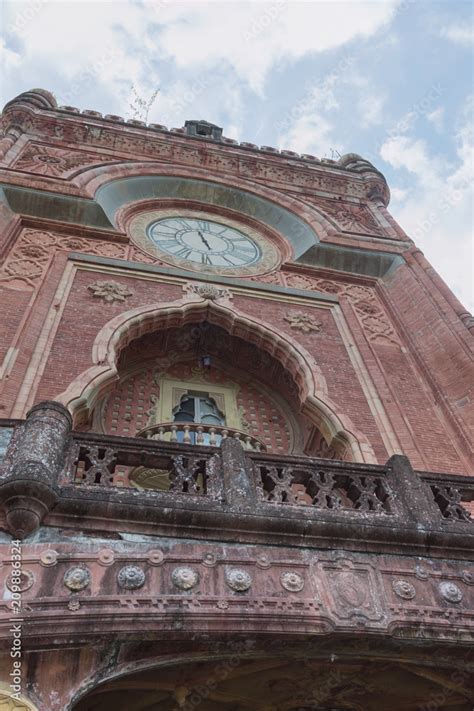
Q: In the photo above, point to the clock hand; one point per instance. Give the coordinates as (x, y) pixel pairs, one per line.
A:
(204, 240)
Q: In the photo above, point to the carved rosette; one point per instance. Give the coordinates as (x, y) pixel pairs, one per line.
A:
(77, 578)
(49, 557)
(302, 322)
(450, 592)
(131, 577)
(404, 589)
(109, 291)
(291, 581)
(210, 292)
(238, 579)
(20, 582)
(185, 578)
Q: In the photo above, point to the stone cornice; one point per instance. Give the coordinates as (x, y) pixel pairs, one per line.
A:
(36, 112)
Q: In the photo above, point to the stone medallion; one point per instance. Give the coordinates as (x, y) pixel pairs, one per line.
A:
(77, 578)
(238, 579)
(156, 557)
(131, 577)
(263, 561)
(74, 605)
(468, 577)
(209, 559)
(21, 581)
(106, 556)
(185, 578)
(403, 589)
(421, 573)
(49, 557)
(292, 581)
(450, 592)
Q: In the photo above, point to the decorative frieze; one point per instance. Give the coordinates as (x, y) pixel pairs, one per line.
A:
(370, 312)
(31, 255)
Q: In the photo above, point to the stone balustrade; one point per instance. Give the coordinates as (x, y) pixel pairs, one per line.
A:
(199, 434)
(217, 477)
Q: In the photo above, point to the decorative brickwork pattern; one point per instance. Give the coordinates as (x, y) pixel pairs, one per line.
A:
(370, 312)
(33, 251)
(350, 217)
(55, 162)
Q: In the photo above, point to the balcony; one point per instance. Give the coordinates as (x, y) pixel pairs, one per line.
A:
(52, 476)
(199, 434)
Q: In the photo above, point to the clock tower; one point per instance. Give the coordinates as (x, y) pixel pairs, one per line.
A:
(235, 450)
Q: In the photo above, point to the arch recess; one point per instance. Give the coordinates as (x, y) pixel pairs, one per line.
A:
(85, 391)
(117, 186)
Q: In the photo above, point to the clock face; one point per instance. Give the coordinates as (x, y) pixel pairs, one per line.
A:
(203, 242)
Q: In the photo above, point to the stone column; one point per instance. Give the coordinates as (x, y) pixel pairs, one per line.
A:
(239, 485)
(415, 496)
(29, 490)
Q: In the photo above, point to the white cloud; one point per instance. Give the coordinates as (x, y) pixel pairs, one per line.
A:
(436, 117)
(61, 40)
(252, 37)
(438, 213)
(397, 194)
(370, 108)
(460, 34)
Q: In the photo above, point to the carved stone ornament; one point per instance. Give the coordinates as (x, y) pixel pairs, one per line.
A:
(156, 557)
(291, 581)
(74, 605)
(109, 291)
(403, 589)
(77, 578)
(49, 557)
(131, 577)
(185, 578)
(21, 581)
(450, 592)
(210, 292)
(106, 556)
(238, 579)
(302, 322)
(351, 590)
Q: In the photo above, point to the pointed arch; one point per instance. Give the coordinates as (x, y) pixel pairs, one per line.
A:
(84, 392)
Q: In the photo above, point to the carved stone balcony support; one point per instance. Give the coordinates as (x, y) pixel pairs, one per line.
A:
(30, 489)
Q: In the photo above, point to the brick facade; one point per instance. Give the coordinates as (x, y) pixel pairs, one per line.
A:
(349, 348)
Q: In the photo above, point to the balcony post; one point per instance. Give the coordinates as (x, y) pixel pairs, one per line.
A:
(29, 490)
(417, 503)
(239, 485)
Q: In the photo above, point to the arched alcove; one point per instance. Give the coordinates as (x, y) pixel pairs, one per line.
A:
(305, 682)
(86, 391)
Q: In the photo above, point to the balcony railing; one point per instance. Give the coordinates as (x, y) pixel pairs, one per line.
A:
(173, 485)
(199, 434)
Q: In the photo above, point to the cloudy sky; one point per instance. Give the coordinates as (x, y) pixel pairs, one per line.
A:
(389, 79)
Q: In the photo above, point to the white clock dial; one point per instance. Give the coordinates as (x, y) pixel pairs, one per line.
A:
(204, 242)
